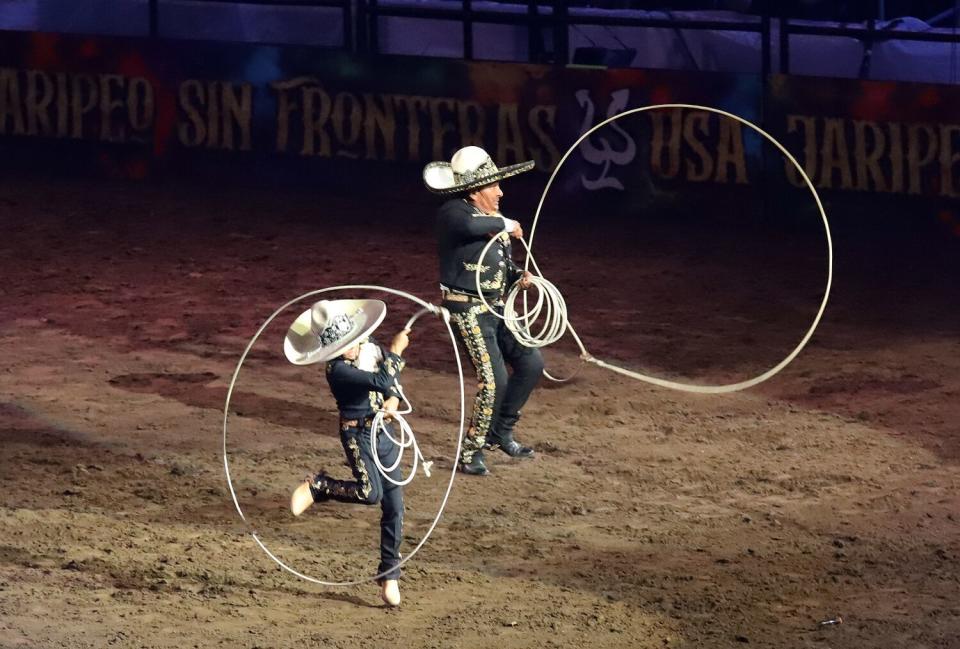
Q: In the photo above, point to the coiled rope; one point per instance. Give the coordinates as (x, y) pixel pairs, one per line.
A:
(549, 307)
(406, 440)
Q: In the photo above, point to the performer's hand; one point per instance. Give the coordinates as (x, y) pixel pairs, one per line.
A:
(517, 232)
(525, 282)
(391, 404)
(400, 342)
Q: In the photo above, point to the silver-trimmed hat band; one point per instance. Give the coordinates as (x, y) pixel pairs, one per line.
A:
(336, 329)
(470, 175)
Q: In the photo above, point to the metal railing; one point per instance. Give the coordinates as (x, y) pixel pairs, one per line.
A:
(345, 6)
(557, 18)
(868, 35)
(361, 26)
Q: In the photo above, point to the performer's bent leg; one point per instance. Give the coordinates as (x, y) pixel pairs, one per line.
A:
(366, 487)
(527, 365)
(369, 488)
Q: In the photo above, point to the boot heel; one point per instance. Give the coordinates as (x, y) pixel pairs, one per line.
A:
(301, 499)
(475, 466)
(313, 490)
(390, 592)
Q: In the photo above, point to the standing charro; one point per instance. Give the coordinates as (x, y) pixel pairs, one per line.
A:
(465, 224)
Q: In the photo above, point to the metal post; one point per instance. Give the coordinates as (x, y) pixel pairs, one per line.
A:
(869, 40)
(153, 15)
(360, 26)
(468, 30)
(784, 40)
(348, 25)
(373, 19)
(561, 33)
(765, 37)
(534, 37)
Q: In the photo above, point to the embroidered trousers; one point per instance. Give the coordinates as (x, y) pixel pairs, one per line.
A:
(369, 487)
(501, 395)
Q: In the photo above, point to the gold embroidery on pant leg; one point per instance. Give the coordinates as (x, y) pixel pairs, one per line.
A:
(346, 491)
(482, 417)
(364, 486)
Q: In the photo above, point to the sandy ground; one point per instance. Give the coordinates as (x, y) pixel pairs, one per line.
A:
(649, 518)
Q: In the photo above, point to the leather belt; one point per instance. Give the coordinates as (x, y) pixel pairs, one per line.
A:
(469, 299)
(460, 297)
(354, 423)
(346, 424)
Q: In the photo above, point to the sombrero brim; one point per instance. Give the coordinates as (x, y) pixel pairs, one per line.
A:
(439, 178)
(367, 316)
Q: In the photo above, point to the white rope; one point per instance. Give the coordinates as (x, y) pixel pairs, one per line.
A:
(407, 439)
(426, 307)
(549, 303)
(550, 306)
(550, 300)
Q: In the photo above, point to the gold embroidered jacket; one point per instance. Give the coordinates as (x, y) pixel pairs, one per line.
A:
(462, 232)
(360, 393)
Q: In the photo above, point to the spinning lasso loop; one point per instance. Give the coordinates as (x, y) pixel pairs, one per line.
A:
(556, 309)
(427, 308)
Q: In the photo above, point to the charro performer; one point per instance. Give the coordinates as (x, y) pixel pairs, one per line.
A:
(364, 378)
(465, 224)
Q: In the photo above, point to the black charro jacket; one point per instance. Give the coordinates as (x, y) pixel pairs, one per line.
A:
(462, 233)
(360, 393)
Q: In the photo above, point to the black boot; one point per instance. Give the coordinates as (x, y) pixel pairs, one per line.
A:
(320, 487)
(313, 489)
(323, 487)
(501, 436)
(475, 466)
(510, 446)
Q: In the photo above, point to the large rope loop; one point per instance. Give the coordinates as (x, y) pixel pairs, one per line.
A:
(409, 440)
(676, 385)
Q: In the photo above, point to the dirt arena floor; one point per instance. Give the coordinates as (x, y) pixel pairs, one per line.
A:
(649, 518)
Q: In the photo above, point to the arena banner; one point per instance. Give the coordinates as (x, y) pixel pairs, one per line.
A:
(139, 107)
(871, 136)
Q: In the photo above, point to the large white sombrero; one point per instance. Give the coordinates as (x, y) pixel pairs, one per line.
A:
(329, 327)
(469, 168)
